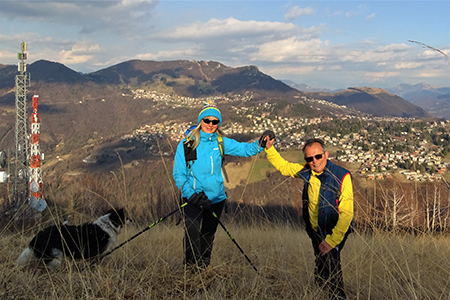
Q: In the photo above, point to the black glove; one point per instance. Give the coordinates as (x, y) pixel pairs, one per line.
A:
(262, 141)
(200, 200)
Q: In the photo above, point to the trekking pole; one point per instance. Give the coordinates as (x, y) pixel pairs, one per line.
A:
(234, 241)
(140, 232)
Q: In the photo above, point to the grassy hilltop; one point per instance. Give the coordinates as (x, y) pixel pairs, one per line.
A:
(377, 263)
(376, 266)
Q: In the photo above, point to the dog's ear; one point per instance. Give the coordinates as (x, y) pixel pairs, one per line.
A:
(117, 216)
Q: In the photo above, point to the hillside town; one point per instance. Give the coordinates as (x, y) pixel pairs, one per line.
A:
(181, 101)
(379, 145)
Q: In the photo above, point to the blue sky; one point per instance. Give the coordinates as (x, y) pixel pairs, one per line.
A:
(324, 44)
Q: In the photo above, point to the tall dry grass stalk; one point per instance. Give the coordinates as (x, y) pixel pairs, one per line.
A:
(376, 266)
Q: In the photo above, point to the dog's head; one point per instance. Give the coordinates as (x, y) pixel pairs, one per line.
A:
(118, 217)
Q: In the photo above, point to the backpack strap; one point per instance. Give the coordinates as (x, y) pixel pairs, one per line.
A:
(189, 152)
(222, 151)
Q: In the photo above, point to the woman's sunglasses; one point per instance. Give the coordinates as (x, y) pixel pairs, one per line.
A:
(311, 158)
(214, 122)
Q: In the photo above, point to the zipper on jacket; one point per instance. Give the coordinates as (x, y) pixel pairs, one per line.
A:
(212, 162)
(212, 165)
(193, 183)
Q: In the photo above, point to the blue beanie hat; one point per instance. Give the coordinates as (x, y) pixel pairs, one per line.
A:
(209, 110)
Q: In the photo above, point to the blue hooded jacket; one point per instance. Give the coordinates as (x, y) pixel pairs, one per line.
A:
(205, 174)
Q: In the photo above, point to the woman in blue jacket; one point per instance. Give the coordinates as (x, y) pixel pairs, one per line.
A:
(197, 173)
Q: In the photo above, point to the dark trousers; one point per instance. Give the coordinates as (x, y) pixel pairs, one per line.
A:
(200, 227)
(328, 272)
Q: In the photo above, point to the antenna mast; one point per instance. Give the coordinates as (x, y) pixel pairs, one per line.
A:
(36, 184)
(21, 161)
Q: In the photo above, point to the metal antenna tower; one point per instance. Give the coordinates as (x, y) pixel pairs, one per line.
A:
(36, 184)
(21, 161)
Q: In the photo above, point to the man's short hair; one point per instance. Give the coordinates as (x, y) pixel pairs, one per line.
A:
(312, 141)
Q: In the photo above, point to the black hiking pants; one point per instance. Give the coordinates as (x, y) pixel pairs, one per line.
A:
(200, 228)
(328, 272)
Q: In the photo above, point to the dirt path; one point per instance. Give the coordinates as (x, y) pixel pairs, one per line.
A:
(201, 71)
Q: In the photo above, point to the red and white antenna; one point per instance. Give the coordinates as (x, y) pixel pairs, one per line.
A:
(36, 184)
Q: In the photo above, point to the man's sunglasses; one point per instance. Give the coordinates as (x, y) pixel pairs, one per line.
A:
(311, 158)
(214, 122)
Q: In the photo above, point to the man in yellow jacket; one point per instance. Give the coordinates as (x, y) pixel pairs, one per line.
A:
(327, 208)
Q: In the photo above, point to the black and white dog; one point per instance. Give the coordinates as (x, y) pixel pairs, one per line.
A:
(85, 241)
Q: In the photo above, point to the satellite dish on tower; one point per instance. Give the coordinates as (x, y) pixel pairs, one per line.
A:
(33, 201)
(3, 177)
(34, 187)
(38, 204)
(2, 159)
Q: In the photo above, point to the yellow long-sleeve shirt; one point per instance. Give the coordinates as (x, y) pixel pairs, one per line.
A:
(345, 201)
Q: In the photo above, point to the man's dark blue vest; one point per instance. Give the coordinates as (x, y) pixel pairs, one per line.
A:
(330, 192)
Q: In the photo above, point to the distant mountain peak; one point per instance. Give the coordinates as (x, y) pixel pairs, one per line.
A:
(376, 101)
(304, 87)
(433, 99)
(424, 86)
(191, 78)
(50, 71)
(371, 90)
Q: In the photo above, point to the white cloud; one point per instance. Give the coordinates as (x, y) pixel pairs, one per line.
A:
(408, 65)
(390, 52)
(291, 49)
(289, 70)
(351, 14)
(65, 51)
(31, 38)
(429, 74)
(369, 41)
(393, 48)
(355, 56)
(169, 54)
(313, 31)
(119, 17)
(233, 41)
(297, 11)
(81, 52)
(360, 9)
(228, 28)
(336, 67)
(369, 17)
(381, 74)
(7, 56)
(275, 47)
(433, 53)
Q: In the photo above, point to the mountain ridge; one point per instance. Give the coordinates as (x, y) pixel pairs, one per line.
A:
(375, 101)
(78, 102)
(193, 79)
(86, 115)
(434, 100)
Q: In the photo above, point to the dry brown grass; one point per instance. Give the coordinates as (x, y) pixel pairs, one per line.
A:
(378, 265)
